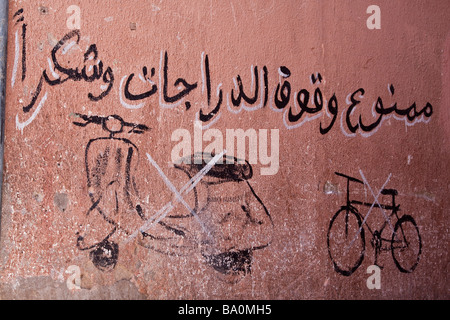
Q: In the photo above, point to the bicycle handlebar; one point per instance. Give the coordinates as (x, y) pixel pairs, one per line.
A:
(349, 178)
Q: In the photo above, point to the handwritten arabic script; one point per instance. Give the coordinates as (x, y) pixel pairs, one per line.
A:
(298, 107)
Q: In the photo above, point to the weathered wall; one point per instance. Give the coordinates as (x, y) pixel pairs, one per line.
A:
(93, 205)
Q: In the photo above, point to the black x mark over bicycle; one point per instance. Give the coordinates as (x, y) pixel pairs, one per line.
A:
(346, 235)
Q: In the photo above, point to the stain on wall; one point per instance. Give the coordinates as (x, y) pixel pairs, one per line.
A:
(239, 149)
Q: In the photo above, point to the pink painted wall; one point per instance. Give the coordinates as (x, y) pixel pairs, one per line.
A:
(75, 195)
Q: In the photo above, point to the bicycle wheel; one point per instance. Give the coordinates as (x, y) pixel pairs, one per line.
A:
(406, 244)
(345, 241)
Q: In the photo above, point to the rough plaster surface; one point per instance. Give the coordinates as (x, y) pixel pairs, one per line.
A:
(250, 236)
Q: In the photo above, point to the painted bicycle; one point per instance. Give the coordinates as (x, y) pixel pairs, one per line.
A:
(346, 234)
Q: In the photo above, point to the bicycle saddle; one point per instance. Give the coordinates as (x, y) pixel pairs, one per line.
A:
(391, 192)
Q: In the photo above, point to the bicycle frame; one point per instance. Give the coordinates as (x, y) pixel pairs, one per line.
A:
(350, 206)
